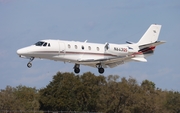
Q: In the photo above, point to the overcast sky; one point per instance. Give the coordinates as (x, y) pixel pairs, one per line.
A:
(24, 22)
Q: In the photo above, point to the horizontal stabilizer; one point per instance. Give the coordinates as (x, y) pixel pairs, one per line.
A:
(152, 44)
(140, 59)
(129, 42)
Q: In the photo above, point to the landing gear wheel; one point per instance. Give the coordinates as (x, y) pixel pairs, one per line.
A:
(76, 70)
(101, 70)
(29, 65)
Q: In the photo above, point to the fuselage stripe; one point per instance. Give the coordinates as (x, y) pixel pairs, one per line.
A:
(70, 52)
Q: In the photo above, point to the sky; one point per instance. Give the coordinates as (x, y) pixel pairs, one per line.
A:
(24, 22)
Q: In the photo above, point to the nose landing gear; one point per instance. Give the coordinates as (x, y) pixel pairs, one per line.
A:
(29, 64)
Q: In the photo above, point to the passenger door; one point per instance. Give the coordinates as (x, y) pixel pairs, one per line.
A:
(62, 50)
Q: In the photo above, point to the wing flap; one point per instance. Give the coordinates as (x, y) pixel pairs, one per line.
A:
(118, 60)
(110, 62)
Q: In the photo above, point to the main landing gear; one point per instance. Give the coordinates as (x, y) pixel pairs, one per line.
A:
(99, 66)
(29, 64)
(101, 70)
(76, 68)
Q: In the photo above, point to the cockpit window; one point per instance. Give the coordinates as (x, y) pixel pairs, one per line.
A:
(45, 44)
(40, 43)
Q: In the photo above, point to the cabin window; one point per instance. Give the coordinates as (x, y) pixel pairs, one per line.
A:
(49, 45)
(69, 46)
(83, 47)
(75, 46)
(89, 47)
(97, 48)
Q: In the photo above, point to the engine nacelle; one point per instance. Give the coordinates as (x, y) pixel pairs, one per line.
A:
(115, 49)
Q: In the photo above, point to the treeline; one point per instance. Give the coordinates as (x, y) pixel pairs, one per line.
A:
(88, 92)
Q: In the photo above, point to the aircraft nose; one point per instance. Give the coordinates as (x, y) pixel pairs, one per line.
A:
(19, 51)
(22, 51)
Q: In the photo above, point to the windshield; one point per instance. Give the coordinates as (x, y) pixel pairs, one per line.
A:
(45, 44)
(40, 43)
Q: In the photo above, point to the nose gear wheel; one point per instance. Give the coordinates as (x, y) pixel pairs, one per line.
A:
(29, 64)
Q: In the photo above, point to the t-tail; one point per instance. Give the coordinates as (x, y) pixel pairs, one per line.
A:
(148, 43)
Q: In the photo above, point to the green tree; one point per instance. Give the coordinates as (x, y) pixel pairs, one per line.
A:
(117, 95)
(19, 98)
(58, 94)
(69, 92)
(28, 98)
(173, 101)
(90, 92)
(148, 85)
(8, 99)
(151, 99)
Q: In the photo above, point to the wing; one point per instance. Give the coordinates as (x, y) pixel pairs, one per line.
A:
(110, 62)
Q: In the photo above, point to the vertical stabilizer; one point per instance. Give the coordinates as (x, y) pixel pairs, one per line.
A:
(151, 35)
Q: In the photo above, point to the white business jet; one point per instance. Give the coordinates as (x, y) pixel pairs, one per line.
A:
(93, 54)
